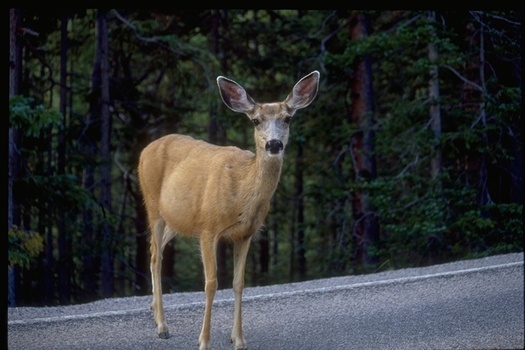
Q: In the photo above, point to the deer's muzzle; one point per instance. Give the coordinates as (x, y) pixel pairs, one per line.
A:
(274, 146)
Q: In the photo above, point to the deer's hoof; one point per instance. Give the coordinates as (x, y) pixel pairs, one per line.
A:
(164, 335)
(239, 343)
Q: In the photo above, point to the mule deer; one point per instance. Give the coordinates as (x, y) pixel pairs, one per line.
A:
(193, 188)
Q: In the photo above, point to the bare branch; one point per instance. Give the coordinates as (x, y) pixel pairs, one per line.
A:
(328, 37)
(325, 21)
(505, 19)
(154, 40)
(463, 78)
(158, 41)
(410, 21)
(354, 162)
(343, 228)
(358, 221)
(408, 166)
(339, 155)
(126, 173)
(476, 13)
(482, 117)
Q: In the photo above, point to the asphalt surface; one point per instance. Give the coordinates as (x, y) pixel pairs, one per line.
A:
(474, 304)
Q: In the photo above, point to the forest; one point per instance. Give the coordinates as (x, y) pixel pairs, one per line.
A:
(410, 155)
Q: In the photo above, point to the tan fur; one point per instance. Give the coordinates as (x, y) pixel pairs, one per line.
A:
(193, 188)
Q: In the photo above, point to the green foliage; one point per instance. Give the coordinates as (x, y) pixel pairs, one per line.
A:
(23, 247)
(61, 191)
(423, 219)
(411, 216)
(496, 229)
(30, 118)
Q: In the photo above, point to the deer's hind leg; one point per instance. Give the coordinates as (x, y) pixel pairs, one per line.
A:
(208, 245)
(160, 236)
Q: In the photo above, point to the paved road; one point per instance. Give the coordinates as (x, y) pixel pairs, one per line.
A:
(476, 304)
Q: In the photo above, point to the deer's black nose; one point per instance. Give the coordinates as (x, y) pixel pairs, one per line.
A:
(274, 146)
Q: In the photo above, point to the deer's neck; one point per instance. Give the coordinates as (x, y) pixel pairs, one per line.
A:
(266, 174)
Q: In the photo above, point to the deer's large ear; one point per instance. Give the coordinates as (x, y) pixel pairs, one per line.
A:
(304, 92)
(234, 96)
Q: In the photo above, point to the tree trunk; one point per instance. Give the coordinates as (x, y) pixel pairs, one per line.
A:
(15, 68)
(435, 109)
(89, 279)
(291, 277)
(473, 91)
(49, 265)
(261, 278)
(275, 229)
(299, 202)
(168, 267)
(485, 194)
(105, 150)
(141, 258)
(64, 240)
(217, 136)
(88, 141)
(366, 227)
(264, 251)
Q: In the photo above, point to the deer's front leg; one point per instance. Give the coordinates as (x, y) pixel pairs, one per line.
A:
(155, 266)
(240, 251)
(209, 260)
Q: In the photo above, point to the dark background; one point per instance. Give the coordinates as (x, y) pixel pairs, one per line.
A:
(410, 155)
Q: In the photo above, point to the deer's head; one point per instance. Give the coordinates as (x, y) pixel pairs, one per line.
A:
(271, 120)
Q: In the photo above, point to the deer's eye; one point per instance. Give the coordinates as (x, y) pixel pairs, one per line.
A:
(256, 122)
(288, 120)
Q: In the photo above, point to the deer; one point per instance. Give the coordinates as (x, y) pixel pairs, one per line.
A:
(197, 189)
